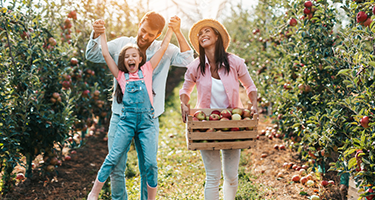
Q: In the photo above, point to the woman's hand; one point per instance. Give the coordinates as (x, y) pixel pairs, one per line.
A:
(185, 110)
(98, 27)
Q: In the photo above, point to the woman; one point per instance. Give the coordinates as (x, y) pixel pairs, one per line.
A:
(208, 72)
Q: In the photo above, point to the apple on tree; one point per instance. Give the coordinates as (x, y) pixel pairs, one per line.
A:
(365, 121)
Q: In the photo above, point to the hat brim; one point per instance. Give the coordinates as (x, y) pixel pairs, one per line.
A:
(194, 30)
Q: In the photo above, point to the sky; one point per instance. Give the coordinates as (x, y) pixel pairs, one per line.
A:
(189, 13)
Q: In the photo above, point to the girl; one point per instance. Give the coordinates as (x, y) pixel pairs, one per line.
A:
(209, 73)
(135, 89)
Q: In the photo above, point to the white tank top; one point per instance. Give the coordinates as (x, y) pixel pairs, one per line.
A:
(219, 98)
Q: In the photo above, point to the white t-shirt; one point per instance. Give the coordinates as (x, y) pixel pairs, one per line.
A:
(219, 97)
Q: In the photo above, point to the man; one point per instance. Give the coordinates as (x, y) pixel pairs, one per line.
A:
(149, 29)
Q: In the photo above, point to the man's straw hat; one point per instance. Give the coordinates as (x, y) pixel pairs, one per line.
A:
(194, 30)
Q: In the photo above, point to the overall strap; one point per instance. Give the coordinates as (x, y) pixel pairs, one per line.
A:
(126, 76)
(140, 74)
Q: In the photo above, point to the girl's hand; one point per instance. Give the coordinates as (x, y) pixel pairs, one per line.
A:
(185, 110)
(98, 27)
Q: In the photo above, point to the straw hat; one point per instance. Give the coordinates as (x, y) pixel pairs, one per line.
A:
(194, 30)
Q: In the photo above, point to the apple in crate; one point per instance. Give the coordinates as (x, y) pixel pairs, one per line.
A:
(236, 117)
(214, 117)
(225, 114)
(246, 113)
(224, 119)
(215, 112)
(200, 115)
(235, 129)
(237, 111)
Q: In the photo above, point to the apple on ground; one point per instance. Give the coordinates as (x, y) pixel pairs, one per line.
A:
(200, 115)
(282, 147)
(264, 155)
(324, 183)
(331, 182)
(226, 114)
(280, 175)
(314, 197)
(303, 180)
(309, 177)
(276, 147)
(20, 176)
(296, 178)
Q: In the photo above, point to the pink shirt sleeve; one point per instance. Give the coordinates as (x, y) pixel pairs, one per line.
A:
(245, 79)
(190, 79)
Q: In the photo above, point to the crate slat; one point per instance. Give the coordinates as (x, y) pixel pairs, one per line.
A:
(222, 145)
(222, 135)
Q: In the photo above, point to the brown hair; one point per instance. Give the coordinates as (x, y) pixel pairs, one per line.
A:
(156, 21)
(221, 56)
(121, 67)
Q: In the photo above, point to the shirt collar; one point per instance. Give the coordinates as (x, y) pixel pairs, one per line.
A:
(207, 63)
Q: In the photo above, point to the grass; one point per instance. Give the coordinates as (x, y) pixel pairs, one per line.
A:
(181, 171)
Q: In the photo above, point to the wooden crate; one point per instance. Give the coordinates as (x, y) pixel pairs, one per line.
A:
(242, 139)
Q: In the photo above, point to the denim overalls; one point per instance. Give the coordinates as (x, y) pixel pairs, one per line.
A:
(135, 121)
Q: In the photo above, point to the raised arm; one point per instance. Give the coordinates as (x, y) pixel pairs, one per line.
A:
(164, 45)
(175, 24)
(107, 57)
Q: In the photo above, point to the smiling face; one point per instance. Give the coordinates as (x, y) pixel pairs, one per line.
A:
(207, 37)
(132, 60)
(146, 35)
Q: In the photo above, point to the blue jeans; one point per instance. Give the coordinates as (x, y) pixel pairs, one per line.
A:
(118, 188)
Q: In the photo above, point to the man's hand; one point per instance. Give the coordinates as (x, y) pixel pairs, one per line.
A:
(98, 27)
(174, 24)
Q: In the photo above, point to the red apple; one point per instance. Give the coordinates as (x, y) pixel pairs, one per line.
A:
(52, 41)
(74, 61)
(234, 129)
(276, 147)
(287, 86)
(293, 22)
(358, 157)
(367, 22)
(258, 137)
(67, 21)
(210, 130)
(331, 182)
(200, 115)
(214, 117)
(282, 147)
(263, 132)
(361, 16)
(370, 197)
(306, 11)
(296, 178)
(226, 114)
(264, 155)
(73, 152)
(364, 121)
(303, 180)
(55, 95)
(246, 113)
(308, 4)
(25, 35)
(215, 112)
(20, 176)
(85, 93)
(324, 183)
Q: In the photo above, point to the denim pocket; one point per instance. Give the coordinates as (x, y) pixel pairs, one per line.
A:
(123, 115)
(134, 93)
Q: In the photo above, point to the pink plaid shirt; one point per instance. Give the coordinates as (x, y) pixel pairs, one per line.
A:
(238, 72)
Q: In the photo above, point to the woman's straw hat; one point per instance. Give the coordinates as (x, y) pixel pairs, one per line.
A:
(194, 30)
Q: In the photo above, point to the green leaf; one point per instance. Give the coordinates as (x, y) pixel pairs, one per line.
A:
(352, 162)
(344, 72)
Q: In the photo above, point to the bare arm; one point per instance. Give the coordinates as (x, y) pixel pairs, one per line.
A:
(185, 109)
(253, 98)
(164, 45)
(175, 24)
(107, 57)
